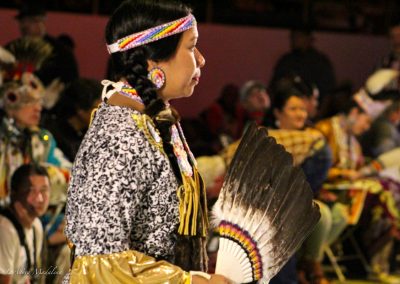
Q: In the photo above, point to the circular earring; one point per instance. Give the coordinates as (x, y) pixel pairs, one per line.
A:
(157, 77)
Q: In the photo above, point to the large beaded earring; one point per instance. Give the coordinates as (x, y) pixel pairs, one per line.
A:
(157, 77)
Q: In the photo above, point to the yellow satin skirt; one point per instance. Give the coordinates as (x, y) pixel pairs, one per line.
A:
(125, 267)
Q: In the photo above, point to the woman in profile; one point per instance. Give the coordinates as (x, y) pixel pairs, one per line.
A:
(136, 209)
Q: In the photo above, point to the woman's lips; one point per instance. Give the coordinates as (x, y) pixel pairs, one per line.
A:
(196, 79)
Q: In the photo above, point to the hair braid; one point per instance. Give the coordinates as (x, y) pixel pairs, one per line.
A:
(132, 17)
(136, 74)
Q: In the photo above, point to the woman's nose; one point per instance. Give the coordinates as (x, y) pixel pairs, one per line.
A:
(200, 59)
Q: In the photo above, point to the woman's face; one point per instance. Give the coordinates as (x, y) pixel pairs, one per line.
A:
(182, 71)
(258, 100)
(360, 122)
(27, 115)
(293, 115)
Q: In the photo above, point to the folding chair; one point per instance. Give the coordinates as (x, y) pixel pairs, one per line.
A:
(355, 200)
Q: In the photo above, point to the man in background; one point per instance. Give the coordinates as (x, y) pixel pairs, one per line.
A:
(307, 62)
(21, 238)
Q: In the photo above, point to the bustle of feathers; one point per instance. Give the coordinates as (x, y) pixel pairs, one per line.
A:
(30, 53)
(264, 211)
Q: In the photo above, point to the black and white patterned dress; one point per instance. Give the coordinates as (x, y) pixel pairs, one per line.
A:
(123, 193)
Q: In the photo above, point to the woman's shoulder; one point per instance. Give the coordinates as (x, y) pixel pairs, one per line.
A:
(114, 121)
(124, 126)
(324, 125)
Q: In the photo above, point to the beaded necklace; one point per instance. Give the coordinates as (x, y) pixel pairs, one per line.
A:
(130, 92)
(182, 151)
(178, 141)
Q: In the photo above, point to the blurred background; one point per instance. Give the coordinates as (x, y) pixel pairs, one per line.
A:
(355, 16)
(239, 39)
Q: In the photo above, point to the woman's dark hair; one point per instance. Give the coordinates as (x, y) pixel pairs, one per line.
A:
(20, 179)
(349, 104)
(285, 89)
(134, 16)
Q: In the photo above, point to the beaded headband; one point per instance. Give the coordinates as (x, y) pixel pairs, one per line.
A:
(152, 34)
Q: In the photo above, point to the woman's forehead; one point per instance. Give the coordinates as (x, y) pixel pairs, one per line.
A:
(191, 34)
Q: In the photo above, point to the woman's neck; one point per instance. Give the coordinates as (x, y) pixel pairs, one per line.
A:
(118, 99)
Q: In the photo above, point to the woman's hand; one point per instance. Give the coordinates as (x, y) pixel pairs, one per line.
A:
(215, 279)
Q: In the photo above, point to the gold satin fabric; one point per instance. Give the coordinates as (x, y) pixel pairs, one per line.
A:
(125, 267)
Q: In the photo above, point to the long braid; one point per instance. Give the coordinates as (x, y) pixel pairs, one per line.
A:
(163, 118)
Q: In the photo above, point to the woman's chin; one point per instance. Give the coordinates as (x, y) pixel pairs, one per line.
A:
(189, 92)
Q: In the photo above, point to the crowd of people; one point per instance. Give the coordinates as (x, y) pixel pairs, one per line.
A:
(337, 138)
(346, 144)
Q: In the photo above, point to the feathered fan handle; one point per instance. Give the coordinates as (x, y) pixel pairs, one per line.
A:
(264, 211)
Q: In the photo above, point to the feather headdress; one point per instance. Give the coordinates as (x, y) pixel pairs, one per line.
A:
(21, 86)
(30, 54)
(264, 211)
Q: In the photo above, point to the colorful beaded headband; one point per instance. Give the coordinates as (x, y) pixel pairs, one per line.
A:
(152, 34)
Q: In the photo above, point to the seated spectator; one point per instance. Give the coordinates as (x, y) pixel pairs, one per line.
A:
(70, 117)
(255, 101)
(366, 206)
(290, 112)
(21, 138)
(308, 147)
(310, 92)
(384, 134)
(21, 238)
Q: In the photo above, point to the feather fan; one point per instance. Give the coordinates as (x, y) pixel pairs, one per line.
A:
(264, 211)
